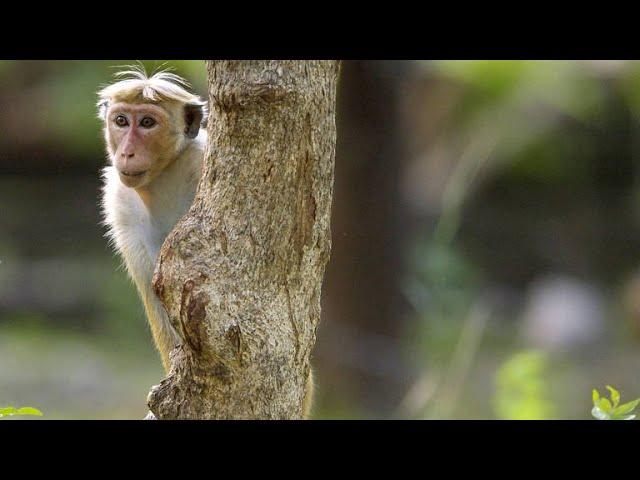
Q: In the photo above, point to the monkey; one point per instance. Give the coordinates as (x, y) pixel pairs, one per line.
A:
(155, 141)
(155, 146)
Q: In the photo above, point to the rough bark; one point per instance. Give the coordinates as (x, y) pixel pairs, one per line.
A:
(241, 274)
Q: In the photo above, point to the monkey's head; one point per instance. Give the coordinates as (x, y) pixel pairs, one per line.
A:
(148, 122)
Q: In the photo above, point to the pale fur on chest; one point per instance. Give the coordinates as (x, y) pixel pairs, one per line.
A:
(138, 229)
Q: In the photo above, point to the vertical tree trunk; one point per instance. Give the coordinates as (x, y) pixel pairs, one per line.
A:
(241, 274)
(361, 350)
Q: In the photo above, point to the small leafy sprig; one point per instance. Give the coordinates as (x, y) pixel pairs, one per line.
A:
(11, 411)
(608, 408)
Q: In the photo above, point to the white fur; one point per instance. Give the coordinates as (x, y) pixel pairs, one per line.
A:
(138, 230)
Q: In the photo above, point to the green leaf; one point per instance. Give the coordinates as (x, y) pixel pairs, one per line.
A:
(595, 396)
(28, 411)
(627, 407)
(599, 414)
(615, 395)
(10, 411)
(7, 411)
(605, 405)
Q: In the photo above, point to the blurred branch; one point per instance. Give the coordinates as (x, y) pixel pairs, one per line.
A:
(438, 392)
(461, 361)
(459, 185)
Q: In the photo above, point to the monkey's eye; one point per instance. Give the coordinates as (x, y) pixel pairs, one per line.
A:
(121, 121)
(147, 122)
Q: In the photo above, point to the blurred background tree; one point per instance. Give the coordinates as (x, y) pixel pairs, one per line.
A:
(481, 209)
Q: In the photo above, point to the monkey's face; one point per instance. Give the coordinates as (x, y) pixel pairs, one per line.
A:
(141, 140)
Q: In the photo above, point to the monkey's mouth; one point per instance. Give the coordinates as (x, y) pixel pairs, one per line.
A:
(133, 174)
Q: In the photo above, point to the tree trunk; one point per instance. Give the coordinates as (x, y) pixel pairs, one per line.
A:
(241, 273)
(363, 306)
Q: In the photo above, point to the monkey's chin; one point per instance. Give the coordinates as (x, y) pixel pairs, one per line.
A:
(135, 180)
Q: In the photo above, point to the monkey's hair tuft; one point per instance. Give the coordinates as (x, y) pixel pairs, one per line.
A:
(135, 86)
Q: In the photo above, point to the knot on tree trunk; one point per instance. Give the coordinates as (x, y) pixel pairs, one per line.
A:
(269, 85)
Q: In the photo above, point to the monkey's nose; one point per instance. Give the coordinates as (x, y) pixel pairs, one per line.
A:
(128, 155)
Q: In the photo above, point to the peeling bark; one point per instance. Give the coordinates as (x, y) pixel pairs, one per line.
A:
(241, 273)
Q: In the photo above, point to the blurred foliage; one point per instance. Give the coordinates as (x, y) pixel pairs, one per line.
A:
(572, 88)
(609, 409)
(441, 287)
(540, 162)
(12, 411)
(521, 388)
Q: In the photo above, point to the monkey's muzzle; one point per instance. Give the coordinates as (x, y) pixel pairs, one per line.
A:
(133, 174)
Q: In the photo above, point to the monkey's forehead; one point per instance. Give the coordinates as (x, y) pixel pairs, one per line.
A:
(147, 90)
(140, 107)
(138, 98)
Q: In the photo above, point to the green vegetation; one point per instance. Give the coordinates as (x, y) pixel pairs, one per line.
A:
(609, 408)
(521, 388)
(12, 411)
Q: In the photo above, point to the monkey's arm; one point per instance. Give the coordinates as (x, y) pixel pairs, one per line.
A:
(140, 266)
(164, 335)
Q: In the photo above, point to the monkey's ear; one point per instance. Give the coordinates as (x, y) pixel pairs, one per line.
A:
(193, 116)
(102, 109)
